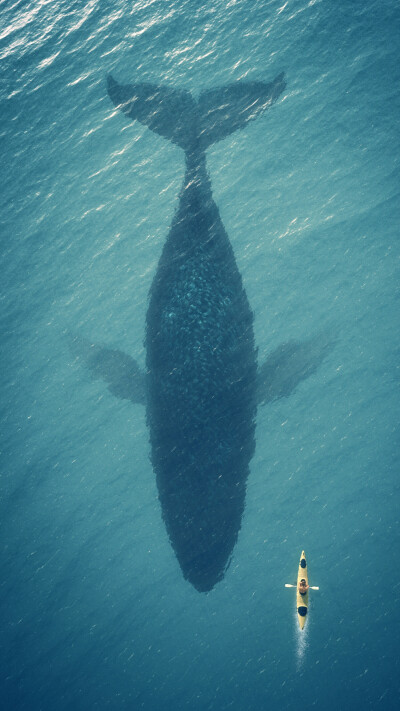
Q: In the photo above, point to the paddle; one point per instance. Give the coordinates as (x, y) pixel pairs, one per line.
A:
(312, 587)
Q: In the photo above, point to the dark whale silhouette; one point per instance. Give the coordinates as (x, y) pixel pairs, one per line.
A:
(201, 384)
(200, 353)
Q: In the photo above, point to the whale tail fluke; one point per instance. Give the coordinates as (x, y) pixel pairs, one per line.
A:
(174, 114)
(228, 108)
(168, 112)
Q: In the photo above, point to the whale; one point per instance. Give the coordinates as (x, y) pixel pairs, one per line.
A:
(201, 384)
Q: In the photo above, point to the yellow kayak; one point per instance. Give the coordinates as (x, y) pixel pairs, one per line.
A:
(302, 599)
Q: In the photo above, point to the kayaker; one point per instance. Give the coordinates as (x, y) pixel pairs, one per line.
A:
(303, 587)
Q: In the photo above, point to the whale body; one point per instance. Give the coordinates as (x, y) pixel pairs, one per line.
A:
(201, 385)
(201, 367)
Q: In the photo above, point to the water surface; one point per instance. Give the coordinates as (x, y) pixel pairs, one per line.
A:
(95, 611)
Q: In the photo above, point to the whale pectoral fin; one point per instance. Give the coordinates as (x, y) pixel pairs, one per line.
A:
(228, 108)
(169, 112)
(122, 374)
(288, 365)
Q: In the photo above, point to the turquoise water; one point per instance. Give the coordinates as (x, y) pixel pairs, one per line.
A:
(95, 611)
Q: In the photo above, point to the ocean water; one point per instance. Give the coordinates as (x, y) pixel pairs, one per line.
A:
(94, 610)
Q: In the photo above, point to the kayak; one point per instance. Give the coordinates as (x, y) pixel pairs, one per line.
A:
(302, 600)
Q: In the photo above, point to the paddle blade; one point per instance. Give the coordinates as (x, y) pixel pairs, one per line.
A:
(288, 585)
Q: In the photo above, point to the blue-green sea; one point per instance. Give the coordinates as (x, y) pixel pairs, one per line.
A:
(95, 613)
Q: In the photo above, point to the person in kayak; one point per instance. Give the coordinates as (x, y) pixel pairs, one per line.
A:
(303, 587)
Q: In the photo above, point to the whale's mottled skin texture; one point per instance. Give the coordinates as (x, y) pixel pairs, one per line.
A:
(202, 369)
(201, 358)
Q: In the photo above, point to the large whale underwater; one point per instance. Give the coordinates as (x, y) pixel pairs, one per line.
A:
(202, 384)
